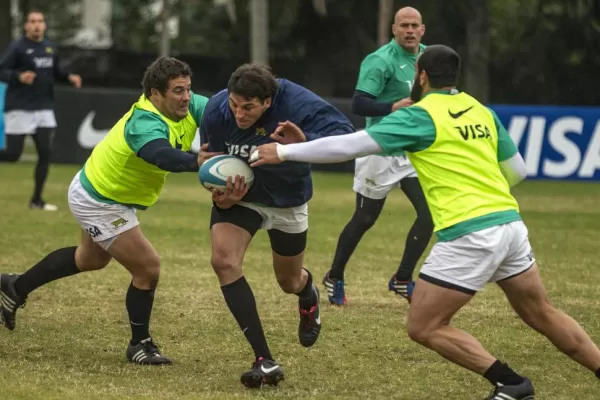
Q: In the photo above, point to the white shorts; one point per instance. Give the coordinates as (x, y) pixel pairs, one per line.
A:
(469, 262)
(288, 220)
(376, 176)
(103, 222)
(21, 122)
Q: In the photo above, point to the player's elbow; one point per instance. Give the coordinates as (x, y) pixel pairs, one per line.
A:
(514, 170)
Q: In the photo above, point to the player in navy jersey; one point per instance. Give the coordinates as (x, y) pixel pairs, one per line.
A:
(255, 109)
(30, 67)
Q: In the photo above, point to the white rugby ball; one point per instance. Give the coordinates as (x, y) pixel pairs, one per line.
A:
(214, 172)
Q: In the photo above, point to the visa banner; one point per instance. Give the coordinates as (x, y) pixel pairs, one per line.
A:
(556, 142)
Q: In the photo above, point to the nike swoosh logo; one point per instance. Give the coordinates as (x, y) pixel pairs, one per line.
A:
(402, 66)
(318, 319)
(458, 114)
(268, 370)
(88, 136)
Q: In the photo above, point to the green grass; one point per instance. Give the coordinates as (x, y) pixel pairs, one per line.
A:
(71, 337)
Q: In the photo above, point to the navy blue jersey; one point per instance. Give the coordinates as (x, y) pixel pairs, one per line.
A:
(283, 185)
(27, 55)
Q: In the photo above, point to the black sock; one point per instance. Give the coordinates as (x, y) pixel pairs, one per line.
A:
(347, 243)
(598, 373)
(416, 243)
(366, 213)
(58, 264)
(502, 373)
(139, 307)
(41, 173)
(307, 296)
(43, 145)
(240, 300)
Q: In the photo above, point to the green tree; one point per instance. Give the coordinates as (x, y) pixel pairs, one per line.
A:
(133, 26)
(63, 17)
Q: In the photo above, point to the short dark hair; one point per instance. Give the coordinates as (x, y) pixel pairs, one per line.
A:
(161, 71)
(253, 80)
(34, 11)
(442, 65)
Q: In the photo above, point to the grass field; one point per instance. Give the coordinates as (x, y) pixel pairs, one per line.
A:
(71, 337)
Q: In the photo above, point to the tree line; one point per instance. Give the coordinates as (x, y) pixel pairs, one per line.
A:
(513, 51)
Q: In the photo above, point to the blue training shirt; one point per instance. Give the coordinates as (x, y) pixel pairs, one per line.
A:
(40, 57)
(288, 184)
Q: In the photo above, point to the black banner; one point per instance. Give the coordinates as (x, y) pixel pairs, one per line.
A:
(85, 116)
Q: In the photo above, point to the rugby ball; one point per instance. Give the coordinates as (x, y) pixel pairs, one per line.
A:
(214, 172)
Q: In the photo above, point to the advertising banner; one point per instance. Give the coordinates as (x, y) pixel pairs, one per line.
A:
(556, 142)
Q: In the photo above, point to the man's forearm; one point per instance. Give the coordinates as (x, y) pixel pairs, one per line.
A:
(160, 153)
(366, 105)
(330, 149)
(174, 160)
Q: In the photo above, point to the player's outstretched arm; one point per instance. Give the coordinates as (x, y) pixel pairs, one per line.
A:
(160, 153)
(320, 151)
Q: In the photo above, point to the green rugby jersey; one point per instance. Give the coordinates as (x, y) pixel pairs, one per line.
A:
(388, 74)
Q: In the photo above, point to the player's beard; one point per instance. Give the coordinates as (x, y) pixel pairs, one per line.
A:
(416, 92)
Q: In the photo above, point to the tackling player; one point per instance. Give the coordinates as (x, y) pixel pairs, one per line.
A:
(236, 120)
(467, 163)
(125, 172)
(386, 77)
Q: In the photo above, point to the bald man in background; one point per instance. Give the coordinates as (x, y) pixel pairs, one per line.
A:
(384, 84)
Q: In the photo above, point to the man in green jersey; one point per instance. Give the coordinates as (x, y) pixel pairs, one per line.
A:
(125, 172)
(467, 163)
(384, 84)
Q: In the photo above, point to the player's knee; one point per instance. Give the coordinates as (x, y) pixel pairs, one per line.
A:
(224, 264)
(149, 272)
(417, 332)
(152, 276)
(153, 270)
(363, 219)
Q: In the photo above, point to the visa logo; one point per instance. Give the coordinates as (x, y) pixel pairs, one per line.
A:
(563, 146)
(242, 150)
(43, 62)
